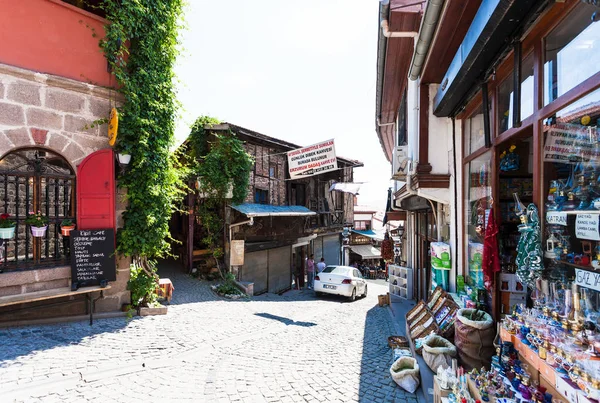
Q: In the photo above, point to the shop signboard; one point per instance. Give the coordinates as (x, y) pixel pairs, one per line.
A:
(92, 256)
(556, 218)
(586, 227)
(237, 253)
(571, 144)
(312, 160)
(588, 279)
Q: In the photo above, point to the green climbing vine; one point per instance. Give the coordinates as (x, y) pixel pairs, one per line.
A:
(141, 47)
(222, 165)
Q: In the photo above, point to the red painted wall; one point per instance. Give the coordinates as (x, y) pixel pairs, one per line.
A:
(50, 36)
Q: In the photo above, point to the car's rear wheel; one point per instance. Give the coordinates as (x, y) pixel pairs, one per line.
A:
(318, 294)
(353, 296)
(365, 293)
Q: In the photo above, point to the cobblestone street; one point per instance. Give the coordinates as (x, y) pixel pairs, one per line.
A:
(290, 348)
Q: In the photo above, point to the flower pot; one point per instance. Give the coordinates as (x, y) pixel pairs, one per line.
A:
(124, 158)
(66, 229)
(7, 233)
(38, 232)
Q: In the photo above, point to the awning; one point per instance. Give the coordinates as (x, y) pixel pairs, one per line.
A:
(489, 33)
(366, 251)
(267, 210)
(348, 187)
(369, 234)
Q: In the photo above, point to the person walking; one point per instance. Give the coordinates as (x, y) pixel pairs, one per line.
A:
(310, 270)
(321, 265)
(296, 271)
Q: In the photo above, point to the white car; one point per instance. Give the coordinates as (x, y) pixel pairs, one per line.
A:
(341, 280)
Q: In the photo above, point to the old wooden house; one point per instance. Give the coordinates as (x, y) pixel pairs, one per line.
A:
(282, 221)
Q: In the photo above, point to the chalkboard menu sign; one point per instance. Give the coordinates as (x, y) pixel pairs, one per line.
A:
(93, 256)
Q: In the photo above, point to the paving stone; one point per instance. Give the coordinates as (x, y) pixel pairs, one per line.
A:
(208, 349)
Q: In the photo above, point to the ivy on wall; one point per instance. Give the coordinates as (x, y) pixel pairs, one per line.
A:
(141, 47)
(222, 165)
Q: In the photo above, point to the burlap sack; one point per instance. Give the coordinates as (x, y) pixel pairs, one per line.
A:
(474, 339)
(405, 372)
(438, 352)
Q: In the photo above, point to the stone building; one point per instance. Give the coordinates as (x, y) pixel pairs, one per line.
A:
(54, 86)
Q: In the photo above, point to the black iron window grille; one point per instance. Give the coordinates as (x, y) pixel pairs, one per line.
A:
(32, 180)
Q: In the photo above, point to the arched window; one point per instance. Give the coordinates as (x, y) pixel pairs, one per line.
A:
(31, 180)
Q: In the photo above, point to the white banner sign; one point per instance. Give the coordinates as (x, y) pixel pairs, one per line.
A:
(556, 218)
(586, 227)
(571, 144)
(312, 160)
(587, 279)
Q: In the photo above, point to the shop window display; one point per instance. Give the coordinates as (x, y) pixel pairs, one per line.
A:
(572, 52)
(571, 170)
(478, 194)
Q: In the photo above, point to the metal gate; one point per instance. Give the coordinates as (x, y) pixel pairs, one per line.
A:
(280, 271)
(318, 249)
(255, 270)
(331, 249)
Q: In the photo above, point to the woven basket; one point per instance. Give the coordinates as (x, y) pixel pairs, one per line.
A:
(397, 342)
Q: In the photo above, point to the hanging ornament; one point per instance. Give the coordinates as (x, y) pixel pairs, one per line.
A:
(113, 126)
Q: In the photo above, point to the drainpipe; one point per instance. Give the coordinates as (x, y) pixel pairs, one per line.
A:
(231, 226)
(426, 32)
(385, 29)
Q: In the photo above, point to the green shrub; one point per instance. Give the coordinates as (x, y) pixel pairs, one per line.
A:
(142, 285)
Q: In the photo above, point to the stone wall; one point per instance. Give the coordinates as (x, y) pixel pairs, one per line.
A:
(55, 113)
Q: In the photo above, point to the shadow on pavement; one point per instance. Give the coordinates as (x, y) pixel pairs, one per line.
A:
(376, 383)
(23, 341)
(285, 320)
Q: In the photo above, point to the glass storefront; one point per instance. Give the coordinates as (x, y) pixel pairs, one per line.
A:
(478, 195)
(572, 52)
(474, 132)
(505, 96)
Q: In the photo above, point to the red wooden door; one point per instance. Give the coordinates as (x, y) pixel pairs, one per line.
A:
(96, 191)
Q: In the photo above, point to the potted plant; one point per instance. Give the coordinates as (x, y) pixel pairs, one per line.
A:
(7, 227)
(38, 224)
(66, 226)
(124, 154)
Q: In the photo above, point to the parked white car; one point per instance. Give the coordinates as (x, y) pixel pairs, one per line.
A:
(341, 280)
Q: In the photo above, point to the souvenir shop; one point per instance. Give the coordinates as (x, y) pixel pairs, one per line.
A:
(530, 209)
(531, 205)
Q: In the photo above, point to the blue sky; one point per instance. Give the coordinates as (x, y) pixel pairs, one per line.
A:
(300, 71)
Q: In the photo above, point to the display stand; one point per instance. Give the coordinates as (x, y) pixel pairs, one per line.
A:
(556, 384)
(400, 282)
(437, 315)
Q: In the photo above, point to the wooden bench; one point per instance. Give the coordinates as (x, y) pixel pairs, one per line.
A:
(56, 293)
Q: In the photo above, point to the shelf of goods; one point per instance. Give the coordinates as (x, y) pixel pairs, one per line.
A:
(400, 282)
(573, 386)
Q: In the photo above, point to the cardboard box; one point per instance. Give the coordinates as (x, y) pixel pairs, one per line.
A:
(582, 398)
(505, 336)
(519, 346)
(534, 373)
(550, 388)
(438, 392)
(548, 373)
(567, 389)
